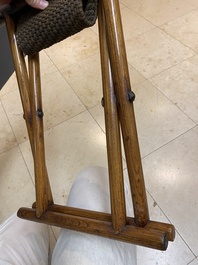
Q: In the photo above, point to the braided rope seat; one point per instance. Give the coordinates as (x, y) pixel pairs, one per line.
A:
(37, 30)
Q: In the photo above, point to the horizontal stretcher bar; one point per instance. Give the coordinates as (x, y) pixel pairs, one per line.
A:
(154, 235)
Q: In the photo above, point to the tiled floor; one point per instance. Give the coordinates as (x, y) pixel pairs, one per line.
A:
(162, 48)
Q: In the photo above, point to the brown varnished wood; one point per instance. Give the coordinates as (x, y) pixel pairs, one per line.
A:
(118, 207)
(119, 112)
(107, 217)
(29, 91)
(22, 77)
(131, 234)
(43, 190)
(122, 88)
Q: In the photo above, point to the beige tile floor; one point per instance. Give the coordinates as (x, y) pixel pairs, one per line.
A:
(162, 48)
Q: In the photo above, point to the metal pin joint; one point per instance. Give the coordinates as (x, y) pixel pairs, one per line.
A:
(102, 102)
(39, 113)
(131, 96)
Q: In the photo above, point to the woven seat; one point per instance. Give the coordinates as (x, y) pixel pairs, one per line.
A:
(37, 30)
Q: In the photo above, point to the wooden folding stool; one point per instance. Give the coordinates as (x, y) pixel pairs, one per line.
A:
(119, 114)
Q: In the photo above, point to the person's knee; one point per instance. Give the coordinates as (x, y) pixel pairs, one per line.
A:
(90, 191)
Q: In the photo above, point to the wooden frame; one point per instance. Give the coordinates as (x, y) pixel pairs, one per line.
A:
(119, 114)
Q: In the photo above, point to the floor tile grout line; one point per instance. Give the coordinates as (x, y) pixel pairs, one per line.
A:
(10, 127)
(195, 124)
(165, 22)
(138, 14)
(104, 131)
(139, 35)
(69, 65)
(159, 27)
(48, 129)
(54, 126)
(50, 61)
(190, 3)
(173, 37)
(4, 87)
(195, 8)
(31, 177)
(89, 110)
(171, 223)
(17, 145)
(45, 130)
(77, 61)
(170, 100)
(135, 12)
(177, 137)
(61, 72)
(192, 261)
(169, 67)
(130, 76)
(190, 57)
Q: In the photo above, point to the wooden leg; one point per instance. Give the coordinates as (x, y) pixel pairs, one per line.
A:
(22, 77)
(43, 190)
(31, 98)
(118, 207)
(124, 97)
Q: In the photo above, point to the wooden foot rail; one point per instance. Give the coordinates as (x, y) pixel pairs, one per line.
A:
(119, 120)
(154, 235)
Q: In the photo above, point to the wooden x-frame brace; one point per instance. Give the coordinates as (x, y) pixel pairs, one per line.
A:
(119, 114)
